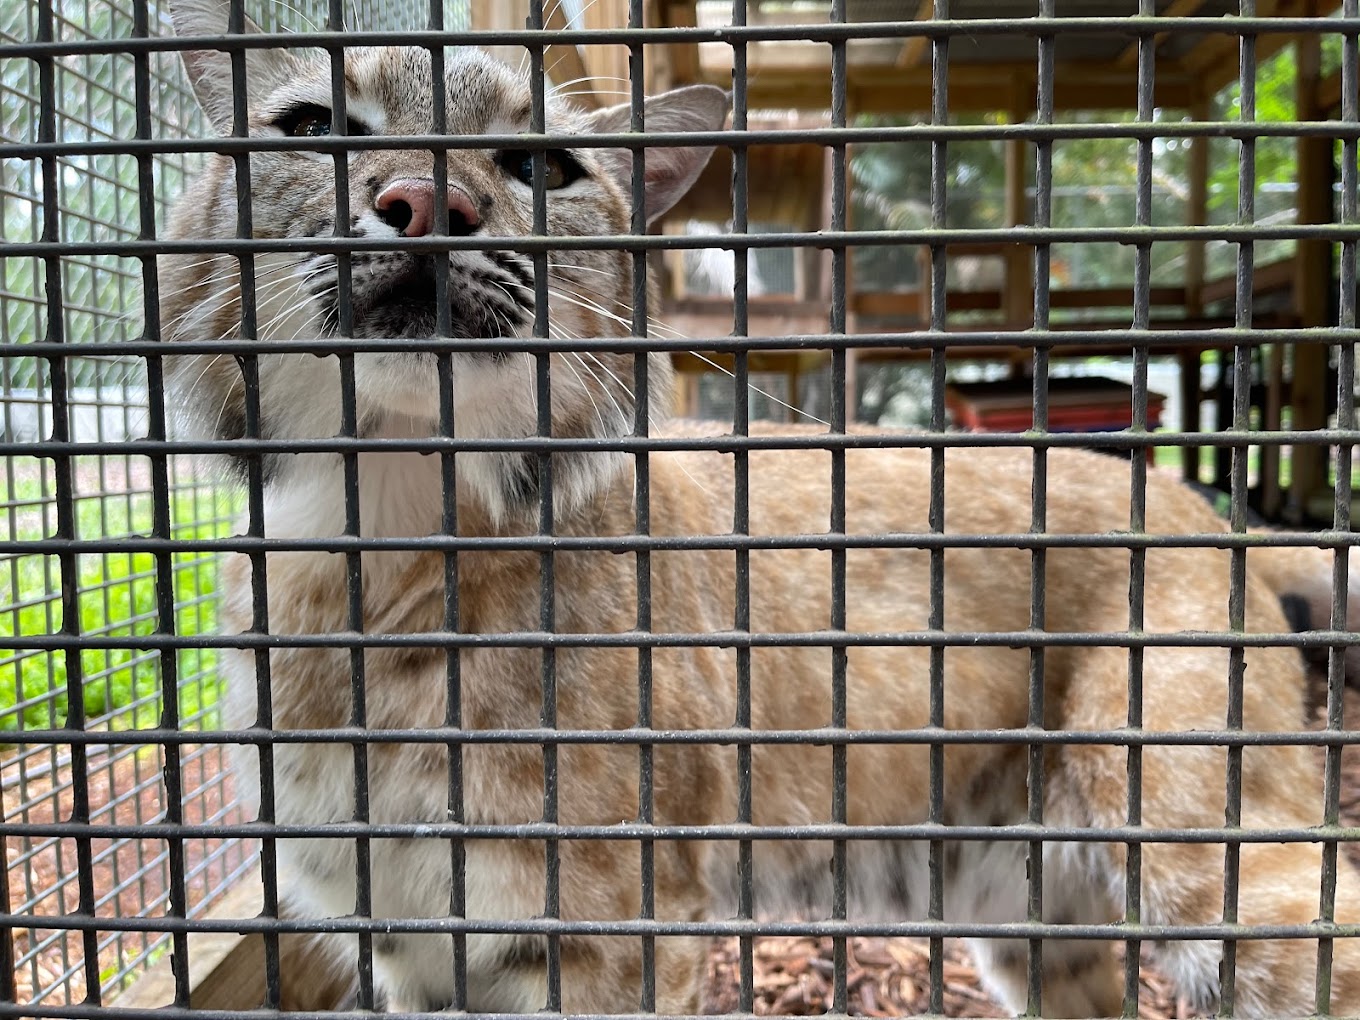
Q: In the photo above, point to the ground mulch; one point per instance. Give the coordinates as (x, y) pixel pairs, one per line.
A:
(891, 977)
(130, 877)
(792, 976)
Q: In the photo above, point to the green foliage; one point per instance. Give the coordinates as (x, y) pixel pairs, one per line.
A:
(117, 597)
(1094, 185)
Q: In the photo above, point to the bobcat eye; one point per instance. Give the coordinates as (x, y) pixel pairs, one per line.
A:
(561, 169)
(311, 126)
(312, 121)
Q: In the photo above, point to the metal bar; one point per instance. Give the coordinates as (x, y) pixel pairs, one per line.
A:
(161, 512)
(1241, 408)
(640, 327)
(841, 396)
(546, 563)
(1341, 511)
(708, 639)
(925, 341)
(847, 135)
(843, 135)
(822, 32)
(1034, 770)
(818, 736)
(63, 471)
(741, 503)
(1133, 854)
(453, 674)
(939, 294)
(635, 928)
(830, 239)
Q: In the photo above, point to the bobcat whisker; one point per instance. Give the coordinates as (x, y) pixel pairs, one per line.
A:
(561, 90)
(289, 7)
(297, 306)
(594, 404)
(651, 419)
(656, 327)
(589, 77)
(193, 387)
(270, 289)
(558, 332)
(756, 389)
(222, 298)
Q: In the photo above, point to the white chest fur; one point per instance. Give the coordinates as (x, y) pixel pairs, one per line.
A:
(315, 783)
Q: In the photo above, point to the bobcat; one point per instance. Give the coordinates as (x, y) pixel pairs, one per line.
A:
(402, 495)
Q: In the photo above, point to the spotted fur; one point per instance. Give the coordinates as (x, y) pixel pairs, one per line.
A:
(887, 591)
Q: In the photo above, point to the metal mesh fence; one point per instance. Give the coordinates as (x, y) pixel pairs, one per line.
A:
(108, 496)
(123, 826)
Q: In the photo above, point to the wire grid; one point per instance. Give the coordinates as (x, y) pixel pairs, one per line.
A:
(103, 400)
(122, 487)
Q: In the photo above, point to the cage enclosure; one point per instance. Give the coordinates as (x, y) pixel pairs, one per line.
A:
(952, 240)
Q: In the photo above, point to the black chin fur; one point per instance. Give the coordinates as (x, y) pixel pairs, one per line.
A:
(394, 296)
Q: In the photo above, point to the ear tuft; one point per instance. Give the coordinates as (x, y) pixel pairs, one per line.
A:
(209, 71)
(670, 171)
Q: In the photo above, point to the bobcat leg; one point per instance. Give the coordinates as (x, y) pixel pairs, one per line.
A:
(604, 975)
(1080, 977)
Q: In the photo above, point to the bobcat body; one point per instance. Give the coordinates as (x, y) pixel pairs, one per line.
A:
(692, 592)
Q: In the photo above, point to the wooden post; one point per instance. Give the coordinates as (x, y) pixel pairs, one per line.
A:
(682, 61)
(851, 316)
(227, 969)
(1196, 214)
(1017, 296)
(607, 64)
(503, 15)
(1272, 496)
(1190, 410)
(1312, 285)
(685, 394)
(561, 63)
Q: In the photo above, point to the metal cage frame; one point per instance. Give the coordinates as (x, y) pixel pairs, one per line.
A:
(164, 544)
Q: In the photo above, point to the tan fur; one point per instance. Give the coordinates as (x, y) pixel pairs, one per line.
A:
(693, 592)
(986, 590)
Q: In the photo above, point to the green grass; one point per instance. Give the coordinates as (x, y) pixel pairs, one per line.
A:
(116, 595)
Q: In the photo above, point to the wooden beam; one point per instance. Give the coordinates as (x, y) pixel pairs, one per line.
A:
(565, 65)
(1018, 291)
(887, 89)
(227, 969)
(1176, 9)
(1271, 278)
(915, 47)
(1196, 214)
(493, 15)
(608, 65)
(1312, 286)
(683, 57)
(1215, 58)
(784, 362)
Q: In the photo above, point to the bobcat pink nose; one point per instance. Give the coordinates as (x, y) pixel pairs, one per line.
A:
(407, 205)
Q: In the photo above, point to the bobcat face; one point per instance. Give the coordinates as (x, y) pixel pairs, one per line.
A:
(377, 295)
(392, 194)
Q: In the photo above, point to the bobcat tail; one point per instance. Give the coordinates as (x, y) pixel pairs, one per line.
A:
(1302, 577)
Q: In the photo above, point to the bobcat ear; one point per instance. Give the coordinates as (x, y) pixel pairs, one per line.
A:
(670, 171)
(210, 70)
